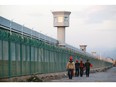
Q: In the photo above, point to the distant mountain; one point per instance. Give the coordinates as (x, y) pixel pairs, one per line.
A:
(111, 53)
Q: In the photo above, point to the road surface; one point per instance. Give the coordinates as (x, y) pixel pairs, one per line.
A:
(107, 76)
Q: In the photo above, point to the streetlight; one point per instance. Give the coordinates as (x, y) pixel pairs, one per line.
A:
(22, 30)
(10, 26)
(31, 33)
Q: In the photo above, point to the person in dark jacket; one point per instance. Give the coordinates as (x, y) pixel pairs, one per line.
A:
(87, 66)
(81, 68)
(77, 64)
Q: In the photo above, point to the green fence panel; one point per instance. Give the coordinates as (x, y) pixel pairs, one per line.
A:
(1, 60)
(39, 60)
(5, 59)
(24, 66)
(13, 59)
(32, 60)
(28, 60)
(18, 64)
(48, 61)
(36, 61)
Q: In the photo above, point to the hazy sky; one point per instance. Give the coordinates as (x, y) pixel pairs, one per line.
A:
(93, 25)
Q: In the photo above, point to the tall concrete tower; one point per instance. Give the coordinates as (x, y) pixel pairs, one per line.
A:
(61, 20)
(83, 47)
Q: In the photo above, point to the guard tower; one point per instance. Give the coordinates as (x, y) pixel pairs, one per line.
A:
(61, 20)
(83, 47)
(93, 53)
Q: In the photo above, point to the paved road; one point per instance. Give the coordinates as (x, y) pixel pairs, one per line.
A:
(107, 76)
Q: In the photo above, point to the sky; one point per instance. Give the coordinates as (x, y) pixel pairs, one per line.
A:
(92, 25)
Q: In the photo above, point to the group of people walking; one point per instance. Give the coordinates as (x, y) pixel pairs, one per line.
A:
(78, 68)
